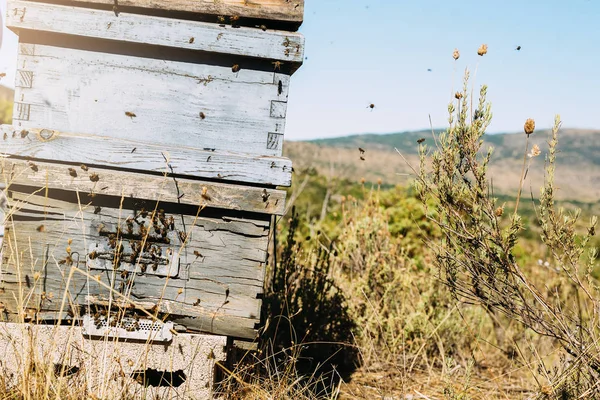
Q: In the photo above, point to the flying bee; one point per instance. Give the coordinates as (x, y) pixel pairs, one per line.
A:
(362, 151)
(72, 172)
(202, 115)
(40, 228)
(130, 114)
(94, 177)
(191, 40)
(197, 302)
(133, 150)
(182, 236)
(265, 195)
(97, 210)
(234, 19)
(221, 19)
(371, 106)
(518, 48)
(197, 254)
(5, 135)
(421, 140)
(24, 133)
(362, 158)
(235, 68)
(84, 167)
(277, 65)
(33, 167)
(263, 27)
(280, 88)
(93, 255)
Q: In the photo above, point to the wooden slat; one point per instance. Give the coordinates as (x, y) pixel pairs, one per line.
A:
(221, 270)
(102, 151)
(41, 175)
(172, 103)
(132, 28)
(277, 10)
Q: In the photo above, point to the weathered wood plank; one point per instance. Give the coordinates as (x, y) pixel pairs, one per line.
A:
(142, 186)
(220, 259)
(154, 102)
(277, 10)
(132, 28)
(101, 151)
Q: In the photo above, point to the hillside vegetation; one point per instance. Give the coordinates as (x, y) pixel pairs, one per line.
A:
(578, 175)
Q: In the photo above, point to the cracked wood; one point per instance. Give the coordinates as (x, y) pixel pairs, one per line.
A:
(215, 289)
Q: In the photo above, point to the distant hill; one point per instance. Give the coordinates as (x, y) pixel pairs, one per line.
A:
(578, 169)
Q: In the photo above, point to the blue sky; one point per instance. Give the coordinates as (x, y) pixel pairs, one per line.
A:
(378, 51)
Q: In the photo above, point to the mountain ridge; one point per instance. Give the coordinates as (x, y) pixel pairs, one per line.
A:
(578, 161)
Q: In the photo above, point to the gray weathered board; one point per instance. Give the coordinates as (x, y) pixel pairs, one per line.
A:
(204, 267)
(291, 11)
(47, 144)
(119, 101)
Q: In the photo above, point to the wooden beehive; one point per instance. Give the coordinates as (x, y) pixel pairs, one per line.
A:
(145, 150)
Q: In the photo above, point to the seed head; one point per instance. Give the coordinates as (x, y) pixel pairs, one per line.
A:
(379, 181)
(535, 151)
(458, 95)
(456, 54)
(499, 211)
(482, 50)
(362, 181)
(529, 126)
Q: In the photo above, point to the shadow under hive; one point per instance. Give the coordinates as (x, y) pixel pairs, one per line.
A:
(144, 158)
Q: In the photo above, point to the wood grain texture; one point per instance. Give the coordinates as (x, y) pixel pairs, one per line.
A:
(41, 175)
(100, 151)
(159, 31)
(276, 10)
(220, 272)
(146, 101)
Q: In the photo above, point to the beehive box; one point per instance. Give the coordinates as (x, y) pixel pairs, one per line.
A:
(145, 151)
